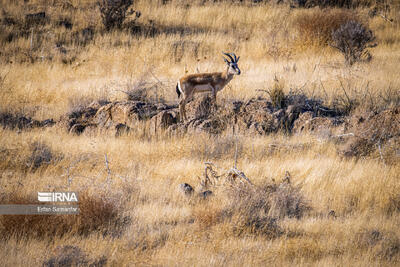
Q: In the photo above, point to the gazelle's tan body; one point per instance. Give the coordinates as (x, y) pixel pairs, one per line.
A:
(191, 84)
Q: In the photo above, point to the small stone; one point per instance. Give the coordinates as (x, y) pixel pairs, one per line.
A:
(187, 189)
(77, 129)
(332, 214)
(206, 194)
(121, 128)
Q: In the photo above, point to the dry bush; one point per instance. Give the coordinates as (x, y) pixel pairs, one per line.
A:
(144, 90)
(41, 155)
(389, 154)
(277, 94)
(362, 97)
(29, 157)
(114, 12)
(315, 26)
(257, 210)
(388, 249)
(67, 256)
(250, 209)
(384, 246)
(98, 213)
(373, 132)
(101, 213)
(357, 147)
(72, 256)
(350, 98)
(54, 34)
(287, 201)
(205, 107)
(250, 213)
(137, 92)
(352, 39)
(14, 121)
(388, 97)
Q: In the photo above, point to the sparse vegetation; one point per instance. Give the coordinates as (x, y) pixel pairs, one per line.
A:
(351, 39)
(320, 144)
(277, 94)
(315, 26)
(114, 12)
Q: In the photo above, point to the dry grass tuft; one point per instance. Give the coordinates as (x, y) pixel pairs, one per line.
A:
(41, 155)
(248, 209)
(30, 157)
(250, 213)
(315, 26)
(277, 94)
(384, 246)
(254, 210)
(206, 215)
(72, 256)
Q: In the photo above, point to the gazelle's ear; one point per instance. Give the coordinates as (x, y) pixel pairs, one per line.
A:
(237, 60)
(227, 62)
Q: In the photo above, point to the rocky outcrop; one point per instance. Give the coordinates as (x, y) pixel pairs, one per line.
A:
(81, 118)
(254, 116)
(116, 117)
(321, 126)
(356, 135)
(372, 132)
(20, 122)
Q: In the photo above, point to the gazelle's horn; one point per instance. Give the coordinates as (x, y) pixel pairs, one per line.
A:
(228, 55)
(234, 56)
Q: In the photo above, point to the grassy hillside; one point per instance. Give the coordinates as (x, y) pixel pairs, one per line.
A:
(308, 205)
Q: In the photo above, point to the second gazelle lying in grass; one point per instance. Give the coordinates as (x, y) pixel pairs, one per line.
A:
(191, 84)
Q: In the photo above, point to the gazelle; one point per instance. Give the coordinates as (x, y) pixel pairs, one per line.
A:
(191, 84)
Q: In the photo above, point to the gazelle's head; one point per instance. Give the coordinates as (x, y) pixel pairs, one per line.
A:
(232, 63)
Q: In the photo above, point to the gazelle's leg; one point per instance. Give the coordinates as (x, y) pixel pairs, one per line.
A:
(188, 97)
(182, 109)
(182, 104)
(214, 95)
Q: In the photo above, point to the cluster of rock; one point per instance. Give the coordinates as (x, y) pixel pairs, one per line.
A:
(20, 122)
(187, 190)
(358, 135)
(255, 116)
(116, 117)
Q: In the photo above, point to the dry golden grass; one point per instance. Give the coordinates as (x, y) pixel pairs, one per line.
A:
(159, 225)
(363, 194)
